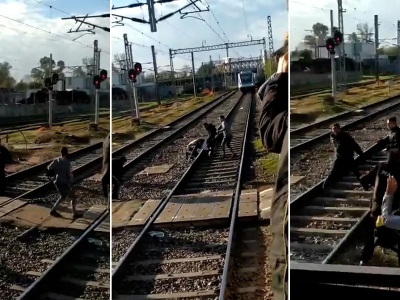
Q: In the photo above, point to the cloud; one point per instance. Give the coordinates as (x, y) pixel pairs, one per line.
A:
(305, 13)
(177, 33)
(23, 46)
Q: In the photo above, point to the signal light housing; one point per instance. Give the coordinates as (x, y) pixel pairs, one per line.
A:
(96, 81)
(48, 83)
(132, 74)
(138, 68)
(103, 75)
(338, 37)
(54, 78)
(330, 45)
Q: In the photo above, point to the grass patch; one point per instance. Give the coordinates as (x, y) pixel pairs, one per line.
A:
(157, 116)
(267, 161)
(312, 108)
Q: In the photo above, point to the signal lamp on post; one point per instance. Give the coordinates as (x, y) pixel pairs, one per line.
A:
(103, 75)
(330, 45)
(48, 83)
(132, 75)
(338, 37)
(138, 68)
(96, 81)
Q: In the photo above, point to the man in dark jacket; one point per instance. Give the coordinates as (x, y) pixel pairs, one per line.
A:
(382, 172)
(5, 158)
(117, 173)
(393, 139)
(273, 132)
(344, 146)
(212, 137)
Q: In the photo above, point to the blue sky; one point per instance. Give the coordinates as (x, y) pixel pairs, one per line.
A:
(23, 46)
(305, 13)
(179, 33)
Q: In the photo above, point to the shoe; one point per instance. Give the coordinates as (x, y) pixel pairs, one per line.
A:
(55, 214)
(77, 216)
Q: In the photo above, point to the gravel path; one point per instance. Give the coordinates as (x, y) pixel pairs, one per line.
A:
(315, 164)
(184, 243)
(18, 257)
(158, 185)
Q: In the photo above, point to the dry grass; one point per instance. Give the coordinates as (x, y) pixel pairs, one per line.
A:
(155, 117)
(315, 107)
(44, 144)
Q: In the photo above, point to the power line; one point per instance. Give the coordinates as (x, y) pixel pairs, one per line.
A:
(48, 32)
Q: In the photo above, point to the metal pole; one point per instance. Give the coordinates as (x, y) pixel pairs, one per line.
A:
(229, 63)
(194, 76)
(136, 103)
(96, 109)
(50, 94)
(153, 52)
(333, 65)
(212, 75)
(376, 48)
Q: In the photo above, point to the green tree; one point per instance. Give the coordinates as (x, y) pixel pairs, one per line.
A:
(39, 73)
(353, 38)
(365, 32)
(306, 54)
(205, 70)
(320, 30)
(6, 80)
(22, 86)
(270, 67)
(310, 40)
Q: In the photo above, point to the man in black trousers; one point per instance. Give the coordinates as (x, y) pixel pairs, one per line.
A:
(273, 132)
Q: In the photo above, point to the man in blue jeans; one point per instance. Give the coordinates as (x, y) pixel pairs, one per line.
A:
(61, 168)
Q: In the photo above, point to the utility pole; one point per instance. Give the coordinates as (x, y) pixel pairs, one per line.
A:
(152, 16)
(96, 68)
(333, 65)
(271, 44)
(376, 48)
(398, 47)
(153, 52)
(51, 94)
(129, 65)
(171, 62)
(212, 75)
(342, 54)
(229, 64)
(194, 76)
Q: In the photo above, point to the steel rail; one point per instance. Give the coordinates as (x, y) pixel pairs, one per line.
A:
(123, 262)
(319, 138)
(175, 133)
(235, 209)
(160, 129)
(37, 288)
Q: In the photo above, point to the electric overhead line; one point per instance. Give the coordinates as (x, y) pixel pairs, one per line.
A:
(48, 32)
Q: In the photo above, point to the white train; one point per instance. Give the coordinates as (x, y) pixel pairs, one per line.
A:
(247, 81)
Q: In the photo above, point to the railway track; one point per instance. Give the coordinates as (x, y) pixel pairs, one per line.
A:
(82, 271)
(190, 263)
(327, 230)
(303, 137)
(32, 181)
(137, 152)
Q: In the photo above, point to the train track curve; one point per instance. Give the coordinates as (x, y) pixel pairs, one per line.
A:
(188, 263)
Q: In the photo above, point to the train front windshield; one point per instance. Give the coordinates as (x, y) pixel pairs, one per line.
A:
(246, 78)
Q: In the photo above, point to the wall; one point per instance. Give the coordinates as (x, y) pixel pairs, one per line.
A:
(304, 78)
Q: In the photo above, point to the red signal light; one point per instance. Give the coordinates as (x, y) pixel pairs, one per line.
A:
(132, 74)
(103, 75)
(138, 68)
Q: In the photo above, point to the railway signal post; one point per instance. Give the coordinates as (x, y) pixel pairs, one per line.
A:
(50, 88)
(132, 75)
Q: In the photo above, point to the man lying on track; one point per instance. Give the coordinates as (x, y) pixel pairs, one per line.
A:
(61, 169)
(379, 212)
(273, 132)
(194, 147)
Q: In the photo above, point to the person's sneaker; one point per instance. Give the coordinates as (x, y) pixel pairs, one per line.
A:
(55, 214)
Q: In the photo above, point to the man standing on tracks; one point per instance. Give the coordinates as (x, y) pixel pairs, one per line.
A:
(5, 158)
(105, 172)
(345, 146)
(117, 173)
(61, 167)
(381, 205)
(393, 139)
(225, 129)
(212, 136)
(273, 132)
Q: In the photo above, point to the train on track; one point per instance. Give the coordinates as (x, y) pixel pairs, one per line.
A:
(247, 81)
